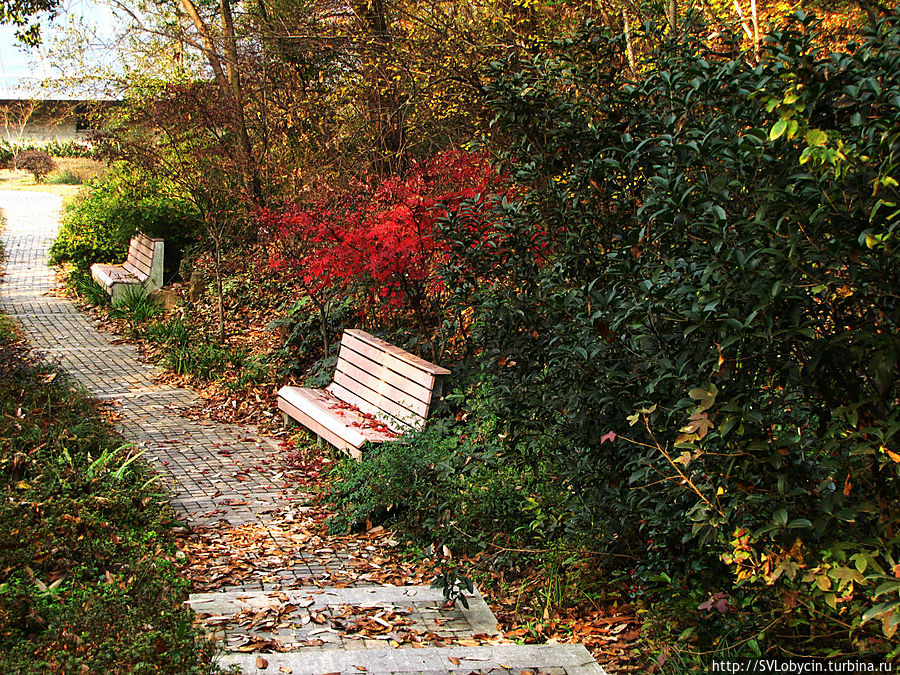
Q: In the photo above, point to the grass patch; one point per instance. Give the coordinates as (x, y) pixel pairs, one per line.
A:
(70, 173)
(63, 178)
(89, 578)
(185, 351)
(82, 284)
(136, 305)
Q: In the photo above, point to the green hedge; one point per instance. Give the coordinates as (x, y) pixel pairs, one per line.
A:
(53, 148)
(690, 326)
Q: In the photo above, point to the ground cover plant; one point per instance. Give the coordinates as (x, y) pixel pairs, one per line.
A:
(88, 571)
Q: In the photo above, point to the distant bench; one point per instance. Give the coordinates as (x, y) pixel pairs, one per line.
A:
(378, 392)
(143, 267)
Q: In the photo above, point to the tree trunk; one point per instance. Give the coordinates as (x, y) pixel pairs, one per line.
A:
(744, 26)
(229, 83)
(754, 17)
(220, 302)
(385, 114)
(629, 47)
(323, 316)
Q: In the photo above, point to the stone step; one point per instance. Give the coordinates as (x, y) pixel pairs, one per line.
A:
(454, 660)
(367, 617)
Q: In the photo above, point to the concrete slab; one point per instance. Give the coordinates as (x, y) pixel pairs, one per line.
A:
(478, 617)
(561, 659)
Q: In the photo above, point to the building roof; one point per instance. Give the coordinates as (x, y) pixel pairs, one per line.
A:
(33, 89)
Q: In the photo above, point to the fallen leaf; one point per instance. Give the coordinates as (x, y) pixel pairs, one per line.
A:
(261, 663)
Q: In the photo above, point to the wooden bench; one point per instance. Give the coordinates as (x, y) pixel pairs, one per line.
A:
(378, 392)
(143, 267)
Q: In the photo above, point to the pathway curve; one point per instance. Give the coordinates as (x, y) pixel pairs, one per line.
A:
(305, 602)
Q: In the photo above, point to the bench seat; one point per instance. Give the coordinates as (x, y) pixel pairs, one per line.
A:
(330, 418)
(379, 391)
(108, 275)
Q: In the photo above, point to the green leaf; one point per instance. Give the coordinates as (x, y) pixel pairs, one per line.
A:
(816, 137)
(886, 587)
(793, 126)
(799, 523)
(879, 609)
(780, 517)
(687, 634)
(779, 129)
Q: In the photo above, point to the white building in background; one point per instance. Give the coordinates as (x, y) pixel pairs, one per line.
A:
(38, 114)
(25, 122)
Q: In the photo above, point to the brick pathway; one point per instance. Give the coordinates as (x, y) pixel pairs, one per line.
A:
(220, 476)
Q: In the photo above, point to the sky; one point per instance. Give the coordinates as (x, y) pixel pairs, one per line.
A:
(20, 65)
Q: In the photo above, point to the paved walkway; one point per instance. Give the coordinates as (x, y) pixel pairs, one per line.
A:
(228, 484)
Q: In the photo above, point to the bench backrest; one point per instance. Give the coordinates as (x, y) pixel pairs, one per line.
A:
(141, 253)
(384, 381)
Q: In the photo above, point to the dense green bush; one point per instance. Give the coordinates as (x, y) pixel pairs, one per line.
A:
(98, 224)
(448, 482)
(691, 317)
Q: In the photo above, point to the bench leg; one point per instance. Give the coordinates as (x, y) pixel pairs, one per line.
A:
(319, 441)
(285, 420)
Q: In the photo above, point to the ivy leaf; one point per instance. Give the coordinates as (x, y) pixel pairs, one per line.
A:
(705, 397)
(684, 458)
(846, 576)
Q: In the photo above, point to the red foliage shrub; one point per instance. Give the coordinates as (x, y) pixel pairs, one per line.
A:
(377, 240)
